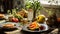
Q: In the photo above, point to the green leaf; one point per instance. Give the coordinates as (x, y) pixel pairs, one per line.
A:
(35, 5)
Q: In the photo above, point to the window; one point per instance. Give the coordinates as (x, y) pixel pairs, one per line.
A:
(55, 2)
(47, 2)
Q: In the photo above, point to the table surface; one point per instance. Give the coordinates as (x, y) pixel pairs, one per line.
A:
(51, 28)
(46, 32)
(56, 31)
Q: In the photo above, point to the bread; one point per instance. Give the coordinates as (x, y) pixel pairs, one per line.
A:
(8, 25)
(1, 15)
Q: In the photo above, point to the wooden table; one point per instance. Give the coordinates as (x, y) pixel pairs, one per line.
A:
(24, 32)
(50, 31)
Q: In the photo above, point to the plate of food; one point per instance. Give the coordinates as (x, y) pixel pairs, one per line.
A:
(9, 26)
(35, 27)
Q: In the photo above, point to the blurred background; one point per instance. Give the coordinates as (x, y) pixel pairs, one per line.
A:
(53, 5)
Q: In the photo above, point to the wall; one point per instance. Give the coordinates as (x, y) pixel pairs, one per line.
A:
(53, 9)
(18, 4)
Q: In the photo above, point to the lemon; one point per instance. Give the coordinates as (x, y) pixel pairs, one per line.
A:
(41, 18)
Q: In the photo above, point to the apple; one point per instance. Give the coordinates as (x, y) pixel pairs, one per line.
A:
(15, 20)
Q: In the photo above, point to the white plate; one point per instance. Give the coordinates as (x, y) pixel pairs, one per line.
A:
(2, 21)
(46, 28)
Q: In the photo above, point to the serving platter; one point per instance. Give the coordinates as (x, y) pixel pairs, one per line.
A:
(26, 29)
(16, 27)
